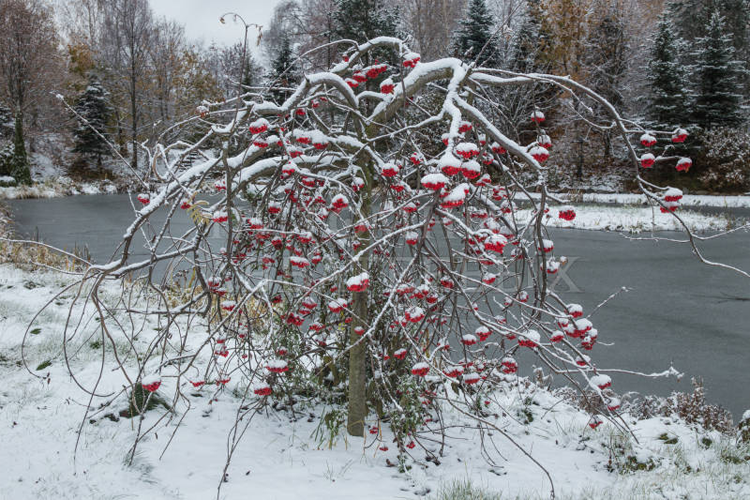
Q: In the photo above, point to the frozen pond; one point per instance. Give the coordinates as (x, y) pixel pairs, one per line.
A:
(676, 310)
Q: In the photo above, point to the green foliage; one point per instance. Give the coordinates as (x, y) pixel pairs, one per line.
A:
(529, 41)
(744, 429)
(690, 18)
(525, 415)
(607, 55)
(283, 68)
(16, 164)
(668, 439)
(44, 365)
(142, 401)
(6, 160)
(94, 111)
(362, 20)
(667, 77)
(330, 427)
(6, 122)
(475, 36)
(718, 77)
(464, 490)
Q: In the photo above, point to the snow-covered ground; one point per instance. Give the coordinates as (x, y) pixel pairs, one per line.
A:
(635, 199)
(634, 219)
(690, 200)
(55, 188)
(279, 459)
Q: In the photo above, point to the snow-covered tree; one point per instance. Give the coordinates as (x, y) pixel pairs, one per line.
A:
(667, 77)
(476, 37)
(228, 69)
(356, 258)
(27, 63)
(6, 122)
(606, 59)
(361, 20)
(432, 24)
(689, 17)
(284, 71)
(19, 166)
(528, 41)
(93, 112)
(718, 77)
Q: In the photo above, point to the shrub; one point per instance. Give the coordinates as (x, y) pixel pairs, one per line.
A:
(464, 490)
(725, 160)
(692, 408)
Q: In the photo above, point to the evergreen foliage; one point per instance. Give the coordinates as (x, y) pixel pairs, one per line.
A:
(6, 122)
(90, 134)
(689, 16)
(667, 77)
(362, 20)
(19, 167)
(6, 160)
(528, 42)
(718, 76)
(284, 71)
(607, 56)
(474, 39)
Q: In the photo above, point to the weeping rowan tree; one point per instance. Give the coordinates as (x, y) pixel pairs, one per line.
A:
(356, 258)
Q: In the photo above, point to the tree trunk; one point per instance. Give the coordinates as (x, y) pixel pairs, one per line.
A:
(358, 354)
(134, 108)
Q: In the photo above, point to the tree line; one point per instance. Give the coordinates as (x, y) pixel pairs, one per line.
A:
(132, 76)
(665, 64)
(128, 76)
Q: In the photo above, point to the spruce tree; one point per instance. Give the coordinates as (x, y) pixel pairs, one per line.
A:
(689, 17)
(362, 20)
(94, 111)
(283, 69)
(718, 76)
(528, 41)
(606, 62)
(667, 77)
(474, 39)
(606, 56)
(6, 122)
(19, 167)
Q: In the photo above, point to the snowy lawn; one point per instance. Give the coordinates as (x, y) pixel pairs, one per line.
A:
(634, 219)
(55, 188)
(690, 200)
(280, 455)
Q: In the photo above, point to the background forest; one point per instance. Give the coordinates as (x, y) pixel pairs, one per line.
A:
(132, 76)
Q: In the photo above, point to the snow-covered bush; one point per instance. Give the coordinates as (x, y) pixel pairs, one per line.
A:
(690, 407)
(350, 254)
(725, 160)
(6, 162)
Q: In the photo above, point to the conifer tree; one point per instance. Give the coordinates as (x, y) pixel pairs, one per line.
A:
(474, 38)
(606, 60)
(689, 17)
(718, 76)
(283, 69)
(362, 20)
(667, 77)
(528, 41)
(90, 134)
(19, 166)
(6, 122)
